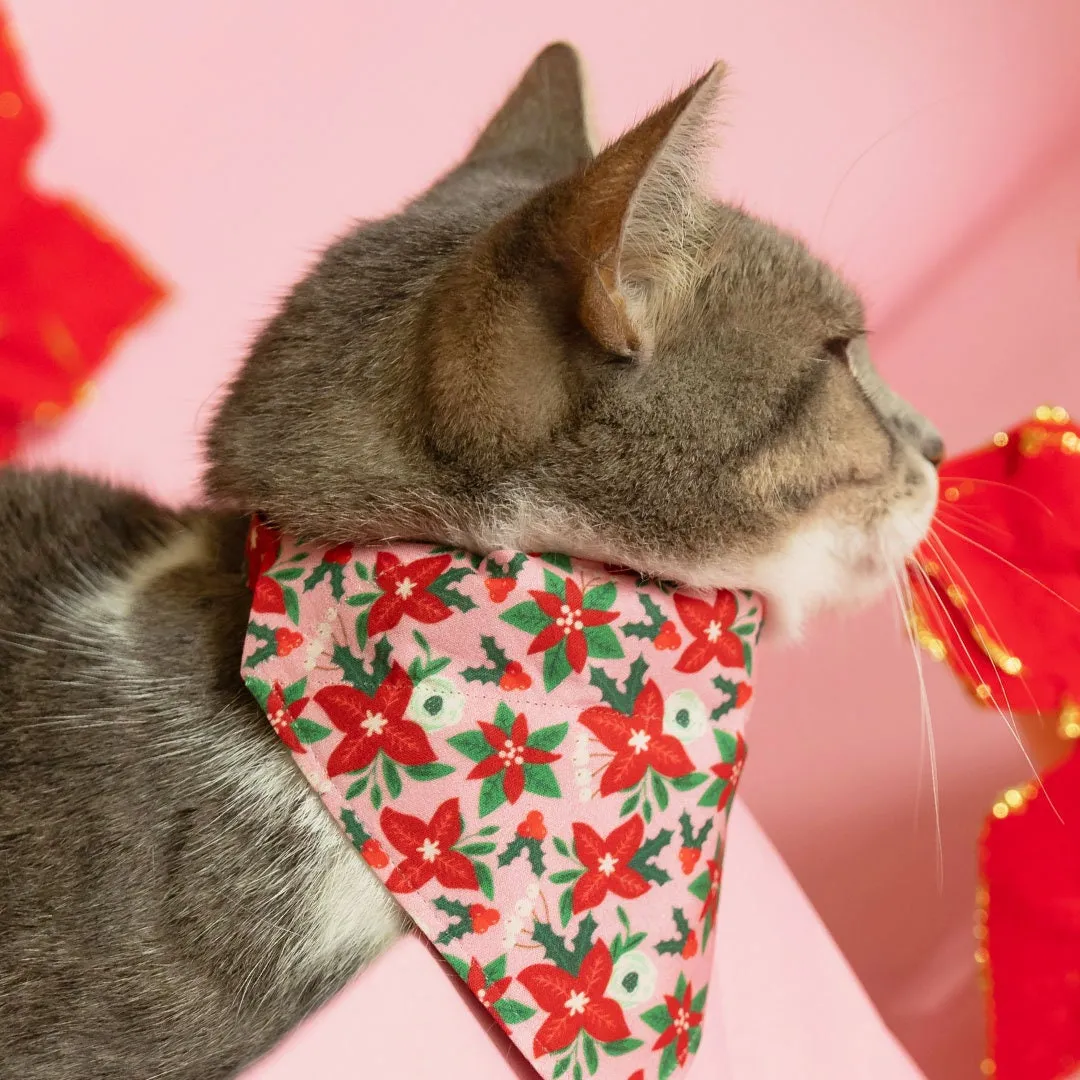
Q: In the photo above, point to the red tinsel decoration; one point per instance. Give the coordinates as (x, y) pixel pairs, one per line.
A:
(67, 289)
(998, 598)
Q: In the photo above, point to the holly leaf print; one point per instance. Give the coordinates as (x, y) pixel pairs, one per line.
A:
(643, 862)
(654, 620)
(354, 829)
(494, 670)
(690, 838)
(442, 588)
(460, 921)
(730, 690)
(332, 570)
(268, 647)
(621, 700)
(356, 672)
(517, 846)
(555, 950)
(674, 946)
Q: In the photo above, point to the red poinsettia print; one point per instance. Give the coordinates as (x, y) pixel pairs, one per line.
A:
(607, 863)
(639, 741)
(405, 591)
(268, 597)
(374, 724)
(571, 618)
(282, 716)
(575, 1004)
(712, 895)
(263, 548)
(509, 755)
(428, 849)
(710, 626)
(683, 1018)
(488, 993)
(731, 771)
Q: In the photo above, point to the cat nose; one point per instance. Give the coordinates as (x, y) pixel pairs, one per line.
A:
(933, 449)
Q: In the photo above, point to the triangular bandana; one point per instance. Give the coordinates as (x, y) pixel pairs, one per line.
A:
(538, 757)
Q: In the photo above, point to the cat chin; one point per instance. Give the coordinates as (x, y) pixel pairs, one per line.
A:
(828, 564)
(825, 564)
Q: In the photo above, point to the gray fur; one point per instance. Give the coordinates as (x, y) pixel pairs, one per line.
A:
(544, 347)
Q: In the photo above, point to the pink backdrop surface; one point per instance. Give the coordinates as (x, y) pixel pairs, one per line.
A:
(929, 149)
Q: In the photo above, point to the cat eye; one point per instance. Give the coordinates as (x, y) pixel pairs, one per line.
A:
(836, 349)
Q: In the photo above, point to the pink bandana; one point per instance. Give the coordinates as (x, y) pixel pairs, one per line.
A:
(538, 757)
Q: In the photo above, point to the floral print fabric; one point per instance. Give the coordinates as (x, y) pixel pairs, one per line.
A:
(538, 757)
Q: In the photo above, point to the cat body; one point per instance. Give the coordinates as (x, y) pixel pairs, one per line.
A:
(549, 349)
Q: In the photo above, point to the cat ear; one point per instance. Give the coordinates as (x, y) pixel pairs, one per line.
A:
(621, 221)
(544, 116)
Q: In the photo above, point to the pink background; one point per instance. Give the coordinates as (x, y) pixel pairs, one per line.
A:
(928, 148)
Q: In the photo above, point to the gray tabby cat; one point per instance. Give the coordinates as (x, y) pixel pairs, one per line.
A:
(548, 349)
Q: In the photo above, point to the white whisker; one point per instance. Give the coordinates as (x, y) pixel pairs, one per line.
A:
(1020, 570)
(1010, 719)
(927, 725)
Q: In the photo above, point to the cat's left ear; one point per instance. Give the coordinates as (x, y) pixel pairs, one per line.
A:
(543, 122)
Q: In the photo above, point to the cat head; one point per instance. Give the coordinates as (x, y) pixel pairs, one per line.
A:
(556, 350)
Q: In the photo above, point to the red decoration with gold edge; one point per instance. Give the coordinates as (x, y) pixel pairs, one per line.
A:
(67, 290)
(999, 592)
(997, 595)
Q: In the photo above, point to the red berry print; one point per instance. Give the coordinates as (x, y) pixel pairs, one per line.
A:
(690, 948)
(743, 692)
(287, 640)
(532, 827)
(340, 554)
(499, 588)
(373, 854)
(515, 677)
(482, 918)
(688, 857)
(668, 638)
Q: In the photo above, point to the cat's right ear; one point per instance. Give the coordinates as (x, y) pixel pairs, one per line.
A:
(621, 226)
(543, 119)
